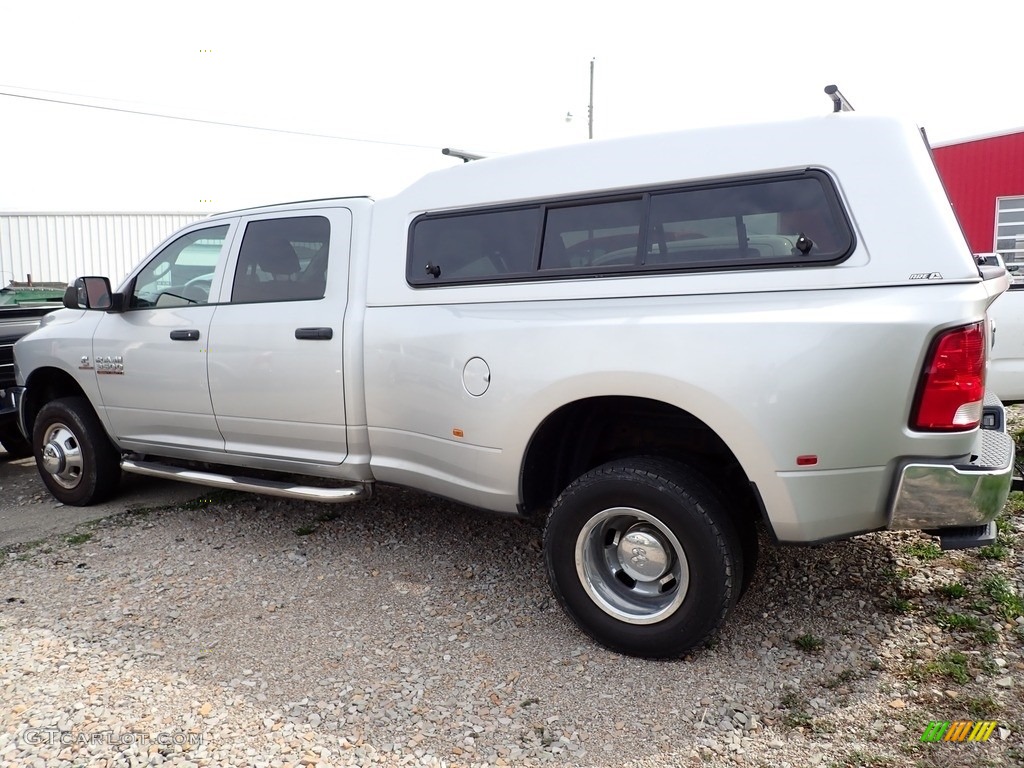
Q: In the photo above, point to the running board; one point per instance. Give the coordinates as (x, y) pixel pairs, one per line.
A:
(334, 495)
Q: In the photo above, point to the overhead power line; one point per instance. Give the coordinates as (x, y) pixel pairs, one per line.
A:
(246, 126)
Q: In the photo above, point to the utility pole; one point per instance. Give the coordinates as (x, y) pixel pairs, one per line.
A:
(590, 108)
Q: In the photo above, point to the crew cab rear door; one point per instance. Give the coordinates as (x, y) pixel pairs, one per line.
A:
(275, 361)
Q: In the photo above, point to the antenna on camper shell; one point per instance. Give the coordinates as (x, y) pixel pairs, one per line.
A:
(461, 153)
(839, 102)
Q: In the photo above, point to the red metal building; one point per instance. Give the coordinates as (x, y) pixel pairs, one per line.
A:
(984, 178)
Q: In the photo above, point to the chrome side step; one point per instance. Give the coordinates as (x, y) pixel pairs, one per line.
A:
(358, 492)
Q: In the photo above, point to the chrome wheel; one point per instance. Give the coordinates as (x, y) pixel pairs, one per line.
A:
(643, 555)
(631, 565)
(77, 462)
(62, 456)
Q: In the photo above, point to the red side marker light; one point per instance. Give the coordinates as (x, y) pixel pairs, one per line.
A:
(806, 461)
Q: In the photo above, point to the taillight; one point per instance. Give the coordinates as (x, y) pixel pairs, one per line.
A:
(952, 387)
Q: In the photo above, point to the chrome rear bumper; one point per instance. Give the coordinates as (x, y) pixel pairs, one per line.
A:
(933, 494)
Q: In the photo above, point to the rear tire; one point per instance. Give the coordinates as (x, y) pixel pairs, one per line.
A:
(14, 442)
(643, 556)
(76, 460)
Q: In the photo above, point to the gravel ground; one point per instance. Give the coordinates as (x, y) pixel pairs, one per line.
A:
(251, 631)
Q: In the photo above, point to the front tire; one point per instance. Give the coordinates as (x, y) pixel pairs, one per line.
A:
(643, 556)
(75, 458)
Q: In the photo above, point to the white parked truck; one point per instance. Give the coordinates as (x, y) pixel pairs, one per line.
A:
(655, 342)
(1006, 359)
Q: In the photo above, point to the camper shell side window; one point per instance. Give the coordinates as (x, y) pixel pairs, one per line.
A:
(788, 220)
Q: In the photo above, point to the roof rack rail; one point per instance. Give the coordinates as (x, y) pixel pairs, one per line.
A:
(461, 153)
(839, 102)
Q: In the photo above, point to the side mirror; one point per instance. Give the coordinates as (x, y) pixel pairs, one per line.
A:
(92, 293)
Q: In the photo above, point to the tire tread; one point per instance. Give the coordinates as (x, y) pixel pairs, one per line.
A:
(101, 479)
(687, 484)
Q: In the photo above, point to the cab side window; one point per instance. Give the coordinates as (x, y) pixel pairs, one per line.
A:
(282, 259)
(182, 273)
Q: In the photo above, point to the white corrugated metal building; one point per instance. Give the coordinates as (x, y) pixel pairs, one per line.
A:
(57, 247)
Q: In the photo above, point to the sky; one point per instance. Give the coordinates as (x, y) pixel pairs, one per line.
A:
(384, 85)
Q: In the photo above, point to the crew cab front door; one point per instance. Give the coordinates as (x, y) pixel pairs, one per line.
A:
(275, 361)
(150, 359)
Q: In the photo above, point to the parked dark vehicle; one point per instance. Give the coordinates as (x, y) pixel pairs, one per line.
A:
(15, 321)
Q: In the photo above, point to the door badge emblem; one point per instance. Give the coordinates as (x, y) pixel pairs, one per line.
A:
(110, 364)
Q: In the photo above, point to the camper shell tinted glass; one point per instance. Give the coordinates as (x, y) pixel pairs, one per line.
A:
(777, 221)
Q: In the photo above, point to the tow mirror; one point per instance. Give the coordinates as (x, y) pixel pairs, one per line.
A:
(92, 293)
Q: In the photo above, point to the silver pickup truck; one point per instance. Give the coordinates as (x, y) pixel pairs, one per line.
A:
(656, 343)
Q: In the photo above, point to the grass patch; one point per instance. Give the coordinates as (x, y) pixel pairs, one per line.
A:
(987, 635)
(1001, 592)
(897, 604)
(989, 666)
(796, 715)
(957, 621)
(924, 550)
(894, 576)
(953, 591)
(809, 643)
(842, 678)
(981, 707)
(962, 622)
(952, 665)
(305, 530)
(78, 538)
(20, 552)
(995, 551)
(797, 718)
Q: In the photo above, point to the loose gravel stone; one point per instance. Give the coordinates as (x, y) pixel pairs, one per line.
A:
(410, 631)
